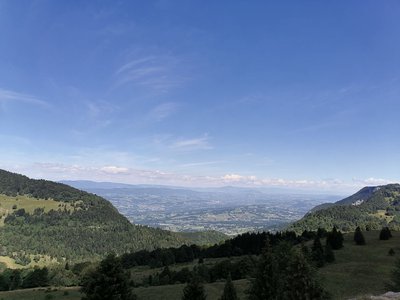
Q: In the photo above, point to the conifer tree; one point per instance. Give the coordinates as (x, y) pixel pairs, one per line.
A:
(317, 253)
(385, 234)
(229, 290)
(300, 281)
(306, 252)
(321, 232)
(359, 237)
(266, 283)
(335, 239)
(108, 281)
(194, 290)
(329, 255)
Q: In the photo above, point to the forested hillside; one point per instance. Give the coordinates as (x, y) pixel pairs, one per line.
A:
(371, 209)
(42, 219)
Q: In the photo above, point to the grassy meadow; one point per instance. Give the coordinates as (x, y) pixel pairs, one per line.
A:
(361, 270)
(9, 204)
(213, 290)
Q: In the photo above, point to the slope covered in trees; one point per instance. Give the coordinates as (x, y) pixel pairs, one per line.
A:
(370, 209)
(83, 227)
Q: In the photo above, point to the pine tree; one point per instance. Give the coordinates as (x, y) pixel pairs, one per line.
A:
(329, 255)
(317, 253)
(359, 237)
(194, 290)
(229, 290)
(108, 281)
(335, 239)
(266, 283)
(385, 234)
(300, 281)
(306, 252)
(321, 233)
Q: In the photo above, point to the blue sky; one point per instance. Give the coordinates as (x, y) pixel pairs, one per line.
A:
(202, 93)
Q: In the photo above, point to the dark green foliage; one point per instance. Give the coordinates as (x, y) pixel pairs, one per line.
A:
(109, 281)
(321, 232)
(10, 280)
(334, 239)
(285, 275)
(359, 237)
(194, 290)
(244, 244)
(394, 285)
(239, 269)
(267, 281)
(329, 254)
(306, 252)
(229, 290)
(385, 234)
(17, 279)
(300, 280)
(317, 253)
(37, 277)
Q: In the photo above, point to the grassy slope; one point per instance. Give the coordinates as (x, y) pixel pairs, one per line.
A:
(361, 270)
(27, 203)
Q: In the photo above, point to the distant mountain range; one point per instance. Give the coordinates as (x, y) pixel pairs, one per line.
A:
(370, 208)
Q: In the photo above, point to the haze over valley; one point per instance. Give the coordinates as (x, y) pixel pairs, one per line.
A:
(228, 210)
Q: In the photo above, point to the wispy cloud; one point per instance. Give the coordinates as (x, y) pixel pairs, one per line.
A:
(114, 170)
(8, 96)
(163, 111)
(200, 143)
(156, 72)
(201, 163)
(372, 181)
(118, 173)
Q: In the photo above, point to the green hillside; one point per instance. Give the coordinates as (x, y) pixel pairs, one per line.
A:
(45, 221)
(371, 208)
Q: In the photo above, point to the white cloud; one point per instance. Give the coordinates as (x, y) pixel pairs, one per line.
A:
(372, 181)
(114, 170)
(114, 173)
(8, 96)
(232, 177)
(202, 163)
(156, 72)
(200, 143)
(163, 111)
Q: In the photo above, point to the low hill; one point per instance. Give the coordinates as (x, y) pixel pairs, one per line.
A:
(42, 221)
(371, 208)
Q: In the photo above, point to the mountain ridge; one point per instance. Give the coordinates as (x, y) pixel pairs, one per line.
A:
(370, 208)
